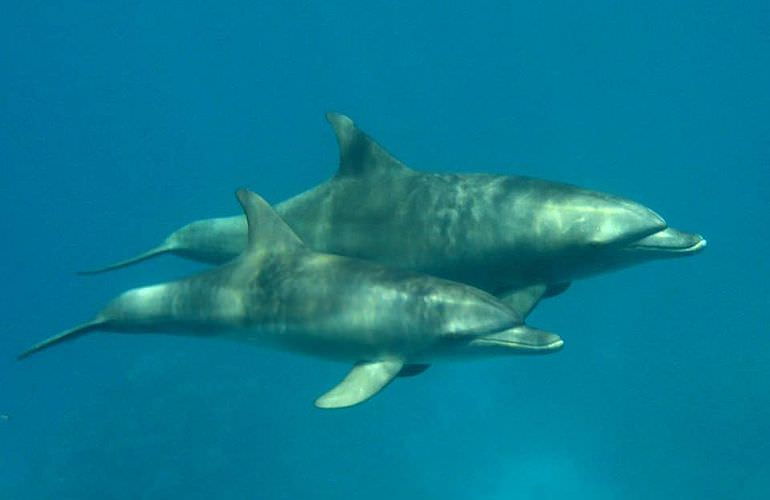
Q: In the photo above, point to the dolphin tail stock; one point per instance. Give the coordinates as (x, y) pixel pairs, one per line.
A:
(64, 336)
(149, 254)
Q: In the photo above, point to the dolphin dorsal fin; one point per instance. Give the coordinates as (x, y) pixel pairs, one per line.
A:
(359, 153)
(266, 228)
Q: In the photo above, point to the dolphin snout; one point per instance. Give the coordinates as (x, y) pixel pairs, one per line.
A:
(671, 240)
(522, 338)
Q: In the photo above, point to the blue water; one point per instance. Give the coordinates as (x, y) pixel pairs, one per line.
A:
(120, 121)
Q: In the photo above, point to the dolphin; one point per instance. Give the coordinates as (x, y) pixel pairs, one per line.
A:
(518, 238)
(280, 293)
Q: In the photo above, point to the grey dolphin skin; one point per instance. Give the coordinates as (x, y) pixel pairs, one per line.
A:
(518, 238)
(280, 293)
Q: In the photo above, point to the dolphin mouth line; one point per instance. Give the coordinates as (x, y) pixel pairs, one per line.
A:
(695, 247)
(669, 240)
(551, 346)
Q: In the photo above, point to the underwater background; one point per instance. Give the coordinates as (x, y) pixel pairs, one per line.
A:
(121, 121)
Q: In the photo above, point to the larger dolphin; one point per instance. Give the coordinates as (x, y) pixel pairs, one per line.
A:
(519, 238)
(281, 293)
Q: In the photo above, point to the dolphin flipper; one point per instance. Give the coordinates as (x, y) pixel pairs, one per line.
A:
(413, 369)
(364, 381)
(557, 289)
(523, 300)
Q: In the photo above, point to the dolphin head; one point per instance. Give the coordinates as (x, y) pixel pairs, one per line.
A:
(665, 244)
(476, 323)
(463, 311)
(575, 219)
(576, 232)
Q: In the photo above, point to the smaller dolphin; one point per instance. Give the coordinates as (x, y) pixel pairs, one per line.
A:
(280, 293)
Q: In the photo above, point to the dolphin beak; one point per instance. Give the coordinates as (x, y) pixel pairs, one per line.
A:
(670, 240)
(521, 338)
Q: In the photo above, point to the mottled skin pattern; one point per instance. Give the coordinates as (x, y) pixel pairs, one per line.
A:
(282, 294)
(322, 305)
(493, 232)
(498, 233)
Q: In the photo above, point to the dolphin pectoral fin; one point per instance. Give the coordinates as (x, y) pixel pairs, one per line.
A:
(523, 300)
(413, 369)
(558, 289)
(364, 381)
(149, 254)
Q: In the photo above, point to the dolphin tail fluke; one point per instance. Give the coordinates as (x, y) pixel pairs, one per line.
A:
(64, 336)
(149, 254)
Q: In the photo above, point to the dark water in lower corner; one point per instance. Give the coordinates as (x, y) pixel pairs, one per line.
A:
(121, 121)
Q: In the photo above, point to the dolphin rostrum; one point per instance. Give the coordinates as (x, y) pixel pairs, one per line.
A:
(519, 238)
(279, 292)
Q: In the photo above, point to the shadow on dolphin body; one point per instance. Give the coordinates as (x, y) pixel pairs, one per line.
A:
(280, 293)
(519, 238)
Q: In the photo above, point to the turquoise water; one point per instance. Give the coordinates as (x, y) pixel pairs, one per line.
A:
(121, 121)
